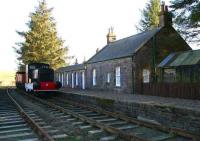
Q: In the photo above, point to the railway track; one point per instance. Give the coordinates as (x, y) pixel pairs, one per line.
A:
(116, 125)
(21, 123)
(64, 120)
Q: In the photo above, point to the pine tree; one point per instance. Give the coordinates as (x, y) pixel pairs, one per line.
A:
(42, 43)
(187, 18)
(150, 16)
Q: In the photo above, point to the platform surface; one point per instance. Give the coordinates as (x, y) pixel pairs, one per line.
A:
(188, 104)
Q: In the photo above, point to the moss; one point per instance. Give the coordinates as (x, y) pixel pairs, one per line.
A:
(105, 102)
(169, 108)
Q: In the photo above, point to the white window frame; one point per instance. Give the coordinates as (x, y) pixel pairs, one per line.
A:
(67, 77)
(94, 77)
(146, 75)
(62, 79)
(108, 77)
(117, 77)
(72, 80)
(76, 78)
(83, 80)
(59, 75)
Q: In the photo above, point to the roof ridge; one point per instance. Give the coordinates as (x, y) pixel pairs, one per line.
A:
(120, 40)
(136, 34)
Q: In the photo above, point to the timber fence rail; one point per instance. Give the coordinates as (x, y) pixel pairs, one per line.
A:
(174, 90)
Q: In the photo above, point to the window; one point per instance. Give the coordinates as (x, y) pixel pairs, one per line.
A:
(170, 75)
(83, 80)
(72, 80)
(59, 75)
(62, 79)
(67, 77)
(108, 78)
(35, 74)
(146, 76)
(76, 78)
(94, 77)
(117, 76)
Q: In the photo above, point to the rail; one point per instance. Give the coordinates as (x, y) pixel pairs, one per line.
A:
(30, 121)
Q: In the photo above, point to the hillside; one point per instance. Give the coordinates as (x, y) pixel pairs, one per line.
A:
(7, 78)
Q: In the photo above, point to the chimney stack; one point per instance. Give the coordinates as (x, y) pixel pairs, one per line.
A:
(76, 61)
(165, 18)
(111, 37)
(97, 50)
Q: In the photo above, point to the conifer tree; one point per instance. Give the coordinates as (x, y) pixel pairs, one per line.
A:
(187, 18)
(149, 16)
(42, 43)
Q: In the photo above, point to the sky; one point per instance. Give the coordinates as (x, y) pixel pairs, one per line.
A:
(83, 24)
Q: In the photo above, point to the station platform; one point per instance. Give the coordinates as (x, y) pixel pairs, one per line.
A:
(188, 104)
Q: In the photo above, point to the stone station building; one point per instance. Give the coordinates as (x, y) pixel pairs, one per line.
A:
(123, 65)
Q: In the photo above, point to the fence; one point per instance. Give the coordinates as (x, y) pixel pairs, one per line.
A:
(175, 90)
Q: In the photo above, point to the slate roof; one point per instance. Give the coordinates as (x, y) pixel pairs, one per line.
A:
(185, 58)
(124, 47)
(71, 68)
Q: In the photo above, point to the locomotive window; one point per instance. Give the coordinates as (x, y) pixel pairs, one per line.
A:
(35, 74)
(46, 76)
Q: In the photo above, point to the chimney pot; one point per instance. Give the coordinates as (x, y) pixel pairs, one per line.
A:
(97, 50)
(111, 37)
(165, 18)
(163, 7)
(166, 8)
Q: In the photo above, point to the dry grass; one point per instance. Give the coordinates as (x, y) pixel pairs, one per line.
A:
(7, 78)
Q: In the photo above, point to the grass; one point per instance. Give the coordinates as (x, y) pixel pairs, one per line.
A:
(7, 78)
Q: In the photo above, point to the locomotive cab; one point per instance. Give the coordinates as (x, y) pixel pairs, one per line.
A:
(43, 80)
(40, 77)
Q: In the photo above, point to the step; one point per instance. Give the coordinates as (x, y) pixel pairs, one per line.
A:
(16, 135)
(52, 131)
(77, 123)
(97, 117)
(127, 127)
(71, 119)
(162, 137)
(84, 112)
(116, 123)
(64, 116)
(109, 119)
(13, 126)
(12, 122)
(59, 136)
(10, 116)
(15, 130)
(30, 139)
(108, 138)
(95, 131)
(91, 114)
(10, 119)
(85, 127)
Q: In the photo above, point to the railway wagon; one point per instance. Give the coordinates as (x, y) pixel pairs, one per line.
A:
(20, 79)
(37, 77)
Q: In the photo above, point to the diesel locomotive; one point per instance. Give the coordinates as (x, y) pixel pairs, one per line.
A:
(37, 77)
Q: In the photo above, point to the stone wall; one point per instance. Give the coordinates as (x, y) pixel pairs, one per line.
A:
(168, 116)
(102, 68)
(167, 41)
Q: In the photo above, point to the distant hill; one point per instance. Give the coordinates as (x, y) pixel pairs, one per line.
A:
(7, 78)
